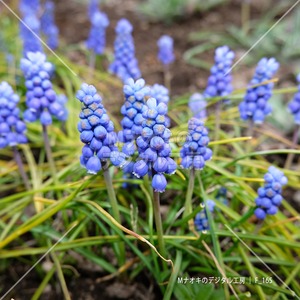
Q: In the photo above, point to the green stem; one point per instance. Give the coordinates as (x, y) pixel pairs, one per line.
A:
(167, 77)
(290, 157)
(92, 64)
(218, 125)
(158, 223)
(245, 16)
(115, 210)
(19, 162)
(49, 154)
(188, 199)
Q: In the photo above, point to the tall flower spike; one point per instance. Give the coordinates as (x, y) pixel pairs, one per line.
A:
(41, 99)
(165, 50)
(12, 129)
(125, 65)
(96, 132)
(132, 110)
(153, 146)
(269, 196)
(255, 105)
(201, 219)
(197, 105)
(96, 40)
(161, 94)
(219, 82)
(93, 7)
(30, 32)
(48, 25)
(294, 105)
(195, 152)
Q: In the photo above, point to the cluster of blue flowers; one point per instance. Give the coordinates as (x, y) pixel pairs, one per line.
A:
(12, 129)
(132, 110)
(96, 41)
(30, 27)
(219, 82)
(153, 146)
(125, 65)
(195, 152)
(165, 50)
(294, 105)
(161, 94)
(48, 25)
(201, 219)
(41, 99)
(197, 105)
(96, 132)
(269, 196)
(255, 106)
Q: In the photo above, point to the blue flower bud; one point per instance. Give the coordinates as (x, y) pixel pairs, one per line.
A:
(159, 183)
(93, 165)
(140, 168)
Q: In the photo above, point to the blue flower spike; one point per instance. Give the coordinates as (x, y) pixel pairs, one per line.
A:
(255, 106)
(12, 128)
(48, 25)
(96, 132)
(125, 64)
(165, 50)
(294, 105)
(41, 100)
(97, 37)
(195, 152)
(201, 219)
(197, 105)
(220, 80)
(153, 146)
(269, 196)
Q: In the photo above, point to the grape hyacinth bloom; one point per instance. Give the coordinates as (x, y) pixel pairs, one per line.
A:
(255, 105)
(48, 25)
(132, 110)
(29, 7)
(29, 32)
(197, 105)
(153, 146)
(93, 7)
(96, 40)
(165, 50)
(96, 132)
(219, 82)
(161, 94)
(294, 105)
(41, 100)
(12, 128)
(195, 152)
(201, 219)
(269, 196)
(125, 65)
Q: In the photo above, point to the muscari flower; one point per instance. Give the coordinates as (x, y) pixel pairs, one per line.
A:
(96, 132)
(255, 105)
(201, 219)
(219, 82)
(132, 111)
(125, 65)
(29, 32)
(93, 7)
(269, 196)
(195, 152)
(161, 94)
(165, 50)
(41, 100)
(197, 104)
(29, 6)
(153, 146)
(96, 40)
(294, 105)
(48, 25)
(12, 128)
